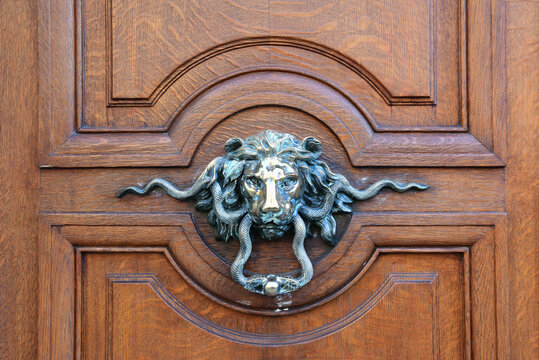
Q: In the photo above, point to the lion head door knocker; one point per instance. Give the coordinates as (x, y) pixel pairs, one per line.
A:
(271, 182)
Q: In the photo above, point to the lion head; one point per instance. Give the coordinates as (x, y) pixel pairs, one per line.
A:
(272, 176)
(270, 182)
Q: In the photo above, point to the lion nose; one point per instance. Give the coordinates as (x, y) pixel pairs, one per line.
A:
(270, 203)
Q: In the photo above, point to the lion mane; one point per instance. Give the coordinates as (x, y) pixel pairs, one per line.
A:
(316, 175)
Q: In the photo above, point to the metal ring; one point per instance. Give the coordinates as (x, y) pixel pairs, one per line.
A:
(271, 284)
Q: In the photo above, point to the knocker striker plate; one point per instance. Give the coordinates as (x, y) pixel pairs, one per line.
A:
(270, 183)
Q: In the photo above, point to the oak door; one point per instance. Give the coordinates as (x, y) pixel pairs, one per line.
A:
(136, 90)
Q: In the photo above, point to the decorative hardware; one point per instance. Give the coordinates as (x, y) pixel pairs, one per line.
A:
(271, 182)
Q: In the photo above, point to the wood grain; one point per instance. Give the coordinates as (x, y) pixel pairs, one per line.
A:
(431, 75)
(298, 100)
(432, 93)
(522, 202)
(241, 19)
(19, 180)
(93, 241)
(177, 31)
(185, 340)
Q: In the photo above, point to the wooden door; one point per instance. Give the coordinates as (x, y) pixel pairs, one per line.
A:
(414, 92)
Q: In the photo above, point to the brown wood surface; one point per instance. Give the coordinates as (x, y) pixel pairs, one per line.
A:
(402, 72)
(522, 196)
(19, 180)
(441, 92)
(416, 327)
(423, 82)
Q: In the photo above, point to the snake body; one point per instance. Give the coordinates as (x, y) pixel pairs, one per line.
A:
(205, 180)
(228, 216)
(258, 283)
(267, 284)
(321, 212)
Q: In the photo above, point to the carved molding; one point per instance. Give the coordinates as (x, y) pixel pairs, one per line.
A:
(67, 142)
(392, 281)
(63, 242)
(263, 41)
(324, 101)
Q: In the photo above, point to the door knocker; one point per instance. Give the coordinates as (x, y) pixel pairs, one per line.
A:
(271, 182)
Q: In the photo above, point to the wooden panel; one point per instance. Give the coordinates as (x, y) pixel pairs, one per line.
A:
(147, 320)
(395, 42)
(520, 327)
(19, 180)
(405, 71)
(108, 270)
(202, 267)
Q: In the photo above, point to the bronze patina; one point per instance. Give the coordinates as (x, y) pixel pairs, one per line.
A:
(269, 183)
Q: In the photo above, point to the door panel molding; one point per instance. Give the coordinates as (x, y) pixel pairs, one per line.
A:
(67, 237)
(476, 128)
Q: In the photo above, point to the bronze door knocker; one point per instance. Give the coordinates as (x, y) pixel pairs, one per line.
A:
(271, 182)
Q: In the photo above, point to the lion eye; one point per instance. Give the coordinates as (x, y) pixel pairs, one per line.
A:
(288, 182)
(254, 182)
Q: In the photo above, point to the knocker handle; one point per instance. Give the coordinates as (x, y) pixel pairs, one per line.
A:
(271, 182)
(271, 284)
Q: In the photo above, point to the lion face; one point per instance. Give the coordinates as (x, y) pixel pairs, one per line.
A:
(273, 191)
(270, 176)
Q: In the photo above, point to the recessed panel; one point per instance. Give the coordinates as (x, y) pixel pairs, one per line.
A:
(158, 53)
(391, 39)
(150, 39)
(120, 77)
(415, 299)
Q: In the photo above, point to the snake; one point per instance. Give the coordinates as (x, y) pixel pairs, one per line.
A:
(321, 212)
(271, 284)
